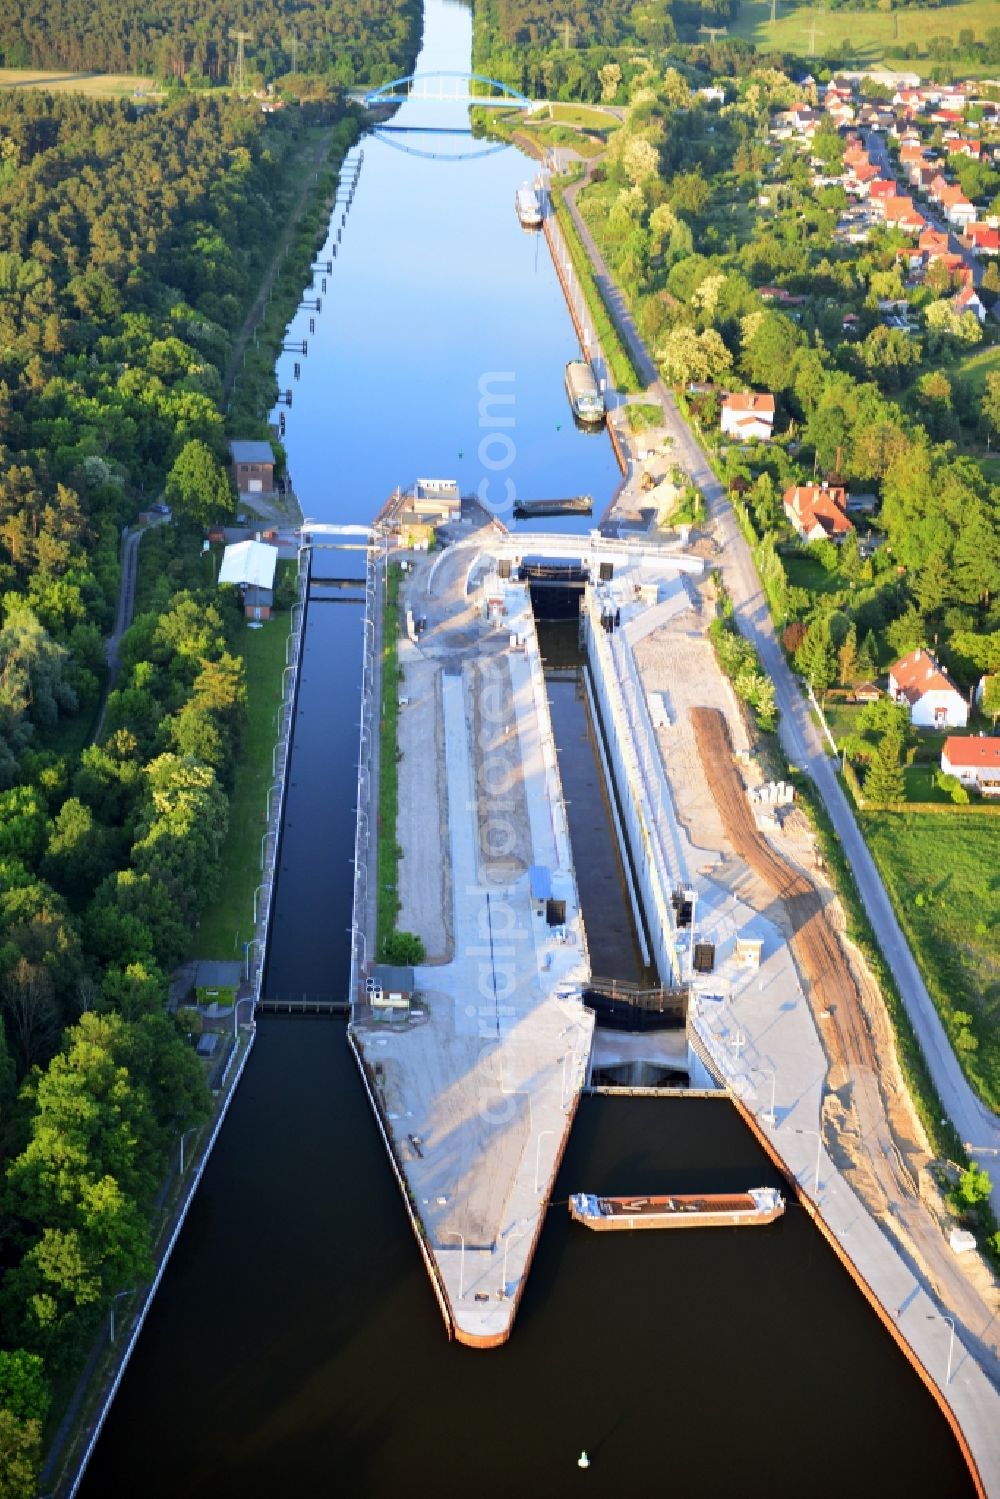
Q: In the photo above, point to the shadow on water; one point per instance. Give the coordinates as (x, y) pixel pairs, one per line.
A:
(296, 1347)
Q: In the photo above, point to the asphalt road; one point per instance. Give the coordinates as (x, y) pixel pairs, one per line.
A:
(976, 1124)
(878, 154)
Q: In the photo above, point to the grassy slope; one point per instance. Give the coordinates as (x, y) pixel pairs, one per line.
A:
(869, 32)
(387, 859)
(949, 865)
(228, 922)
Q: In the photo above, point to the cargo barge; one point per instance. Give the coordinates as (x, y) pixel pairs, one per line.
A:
(577, 504)
(584, 393)
(709, 1210)
(528, 207)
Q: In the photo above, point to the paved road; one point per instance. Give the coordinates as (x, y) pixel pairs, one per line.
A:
(878, 154)
(801, 740)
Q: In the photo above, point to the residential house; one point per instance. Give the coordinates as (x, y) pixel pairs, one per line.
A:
(748, 414)
(252, 466)
(933, 242)
(982, 239)
(818, 512)
(931, 696)
(975, 760)
(957, 208)
(968, 301)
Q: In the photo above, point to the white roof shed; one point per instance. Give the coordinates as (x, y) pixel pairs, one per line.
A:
(251, 562)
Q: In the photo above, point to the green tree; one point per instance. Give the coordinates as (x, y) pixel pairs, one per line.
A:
(990, 702)
(816, 657)
(848, 659)
(974, 1186)
(884, 781)
(197, 486)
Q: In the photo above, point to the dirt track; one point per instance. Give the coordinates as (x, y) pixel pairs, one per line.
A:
(818, 953)
(862, 1121)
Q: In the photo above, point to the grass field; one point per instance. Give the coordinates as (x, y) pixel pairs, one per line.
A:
(942, 875)
(228, 922)
(973, 370)
(98, 85)
(862, 36)
(806, 571)
(585, 117)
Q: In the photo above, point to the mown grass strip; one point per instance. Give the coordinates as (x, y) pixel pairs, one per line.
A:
(228, 922)
(387, 856)
(623, 371)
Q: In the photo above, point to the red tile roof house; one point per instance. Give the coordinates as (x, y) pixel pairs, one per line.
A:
(818, 512)
(747, 414)
(958, 209)
(934, 241)
(982, 239)
(974, 760)
(968, 301)
(932, 697)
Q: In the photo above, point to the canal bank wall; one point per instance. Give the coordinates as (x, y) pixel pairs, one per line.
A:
(657, 871)
(63, 1482)
(864, 1285)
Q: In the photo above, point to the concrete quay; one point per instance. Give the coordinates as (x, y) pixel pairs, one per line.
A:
(477, 1087)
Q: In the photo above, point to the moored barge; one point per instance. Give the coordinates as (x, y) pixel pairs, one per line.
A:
(584, 393)
(708, 1210)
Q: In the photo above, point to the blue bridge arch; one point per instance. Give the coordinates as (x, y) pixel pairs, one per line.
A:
(402, 91)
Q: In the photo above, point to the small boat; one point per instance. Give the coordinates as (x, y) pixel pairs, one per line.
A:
(710, 1210)
(584, 393)
(528, 207)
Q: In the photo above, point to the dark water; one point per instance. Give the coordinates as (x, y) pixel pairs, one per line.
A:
(295, 1348)
(607, 911)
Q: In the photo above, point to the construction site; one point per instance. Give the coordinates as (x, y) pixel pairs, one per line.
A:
(476, 1082)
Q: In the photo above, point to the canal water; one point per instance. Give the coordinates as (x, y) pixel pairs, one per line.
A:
(295, 1347)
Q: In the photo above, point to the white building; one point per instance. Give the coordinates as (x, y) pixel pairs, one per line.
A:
(746, 414)
(931, 696)
(975, 760)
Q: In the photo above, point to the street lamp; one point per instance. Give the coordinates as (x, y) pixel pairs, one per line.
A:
(453, 1233)
(771, 1117)
(538, 1152)
(192, 1131)
(247, 999)
(255, 895)
(513, 1239)
(114, 1300)
(819, 1147)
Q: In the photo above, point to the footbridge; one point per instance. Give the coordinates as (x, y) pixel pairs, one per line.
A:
(448, 88)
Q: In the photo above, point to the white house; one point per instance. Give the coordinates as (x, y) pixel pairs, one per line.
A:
(975, 760)
(746, 414)
(932, 697)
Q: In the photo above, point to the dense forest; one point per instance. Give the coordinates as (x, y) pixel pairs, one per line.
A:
(559, 53)
(130, 246)
(366, 41)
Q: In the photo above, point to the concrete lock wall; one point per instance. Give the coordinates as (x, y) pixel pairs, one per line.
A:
(656, 866)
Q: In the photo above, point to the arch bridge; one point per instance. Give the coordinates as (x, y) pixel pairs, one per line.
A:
(443, 87)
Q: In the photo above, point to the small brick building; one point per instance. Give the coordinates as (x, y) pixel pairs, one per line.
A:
(252, 467)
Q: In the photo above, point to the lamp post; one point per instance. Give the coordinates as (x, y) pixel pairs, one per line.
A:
(770, 1117)
(255, 895)
(246, 1000)
(192, 1131)
(819, 1147)
(538, 1153)
(453, 1233)
(513, 1239)
(114, 1301)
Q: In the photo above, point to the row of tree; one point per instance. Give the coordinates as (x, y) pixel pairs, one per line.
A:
(130, 246)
